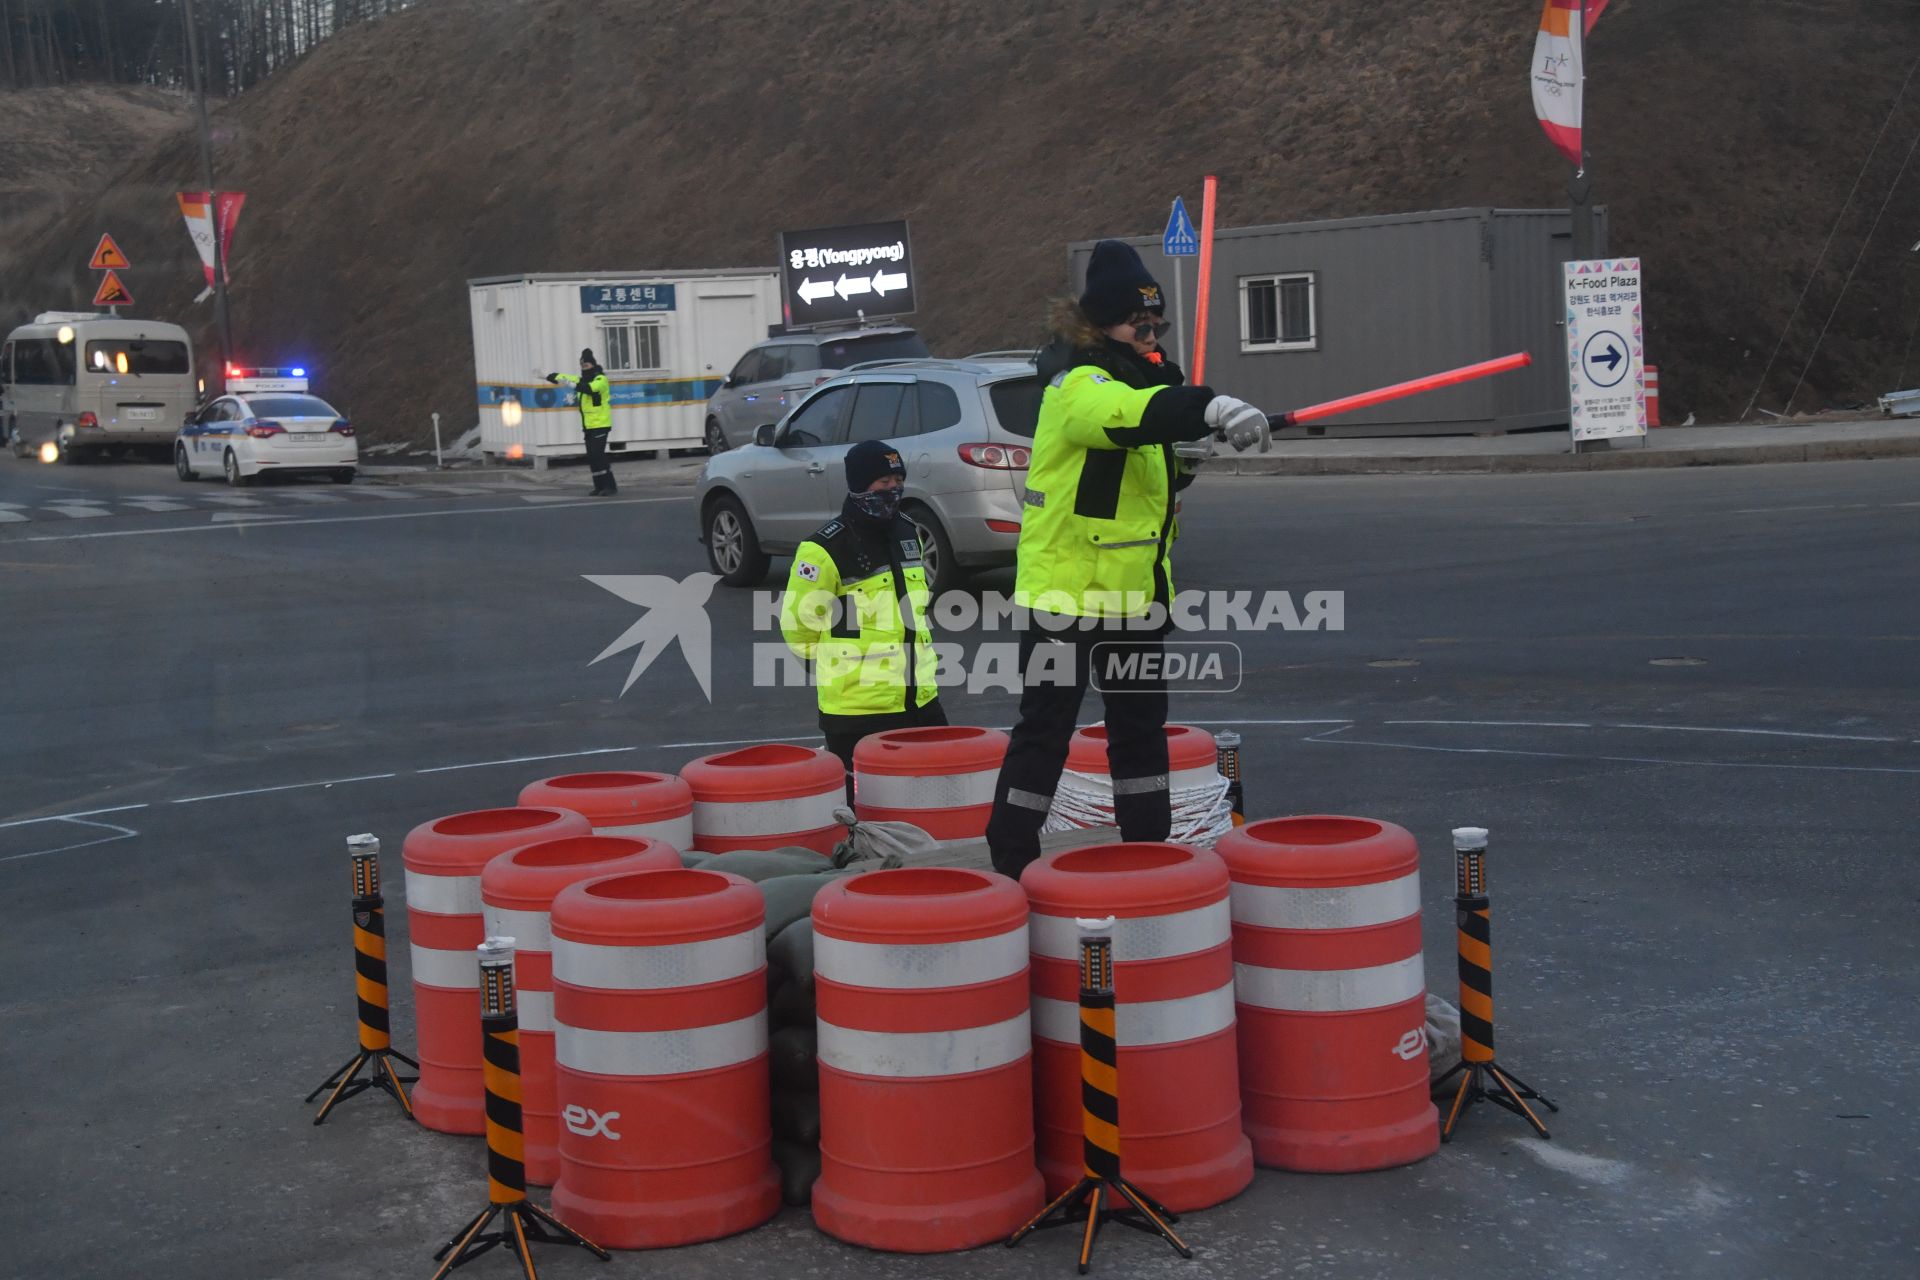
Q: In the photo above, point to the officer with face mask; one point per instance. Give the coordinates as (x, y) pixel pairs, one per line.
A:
(856, 607)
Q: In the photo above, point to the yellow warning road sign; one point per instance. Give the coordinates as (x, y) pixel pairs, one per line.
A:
(112, 293)
(107, 256)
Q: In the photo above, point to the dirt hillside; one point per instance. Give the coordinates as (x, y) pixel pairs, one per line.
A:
(469, 137)
(57, 145)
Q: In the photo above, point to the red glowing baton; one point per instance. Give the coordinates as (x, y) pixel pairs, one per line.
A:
(1432, 382)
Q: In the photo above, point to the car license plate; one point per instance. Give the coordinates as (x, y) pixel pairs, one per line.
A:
(142, 415)
(309, 437)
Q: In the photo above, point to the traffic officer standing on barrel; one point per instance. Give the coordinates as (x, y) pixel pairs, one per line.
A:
(856, 607)
(596, 419)
(1094, 570)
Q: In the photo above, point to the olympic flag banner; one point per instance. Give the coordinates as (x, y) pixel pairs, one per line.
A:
(1558, 59)
(200, 219)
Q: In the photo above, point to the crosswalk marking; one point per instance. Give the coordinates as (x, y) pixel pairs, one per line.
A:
(315, 496)
(230, 500)
(157, 504)
(79, 510)
(199, 499)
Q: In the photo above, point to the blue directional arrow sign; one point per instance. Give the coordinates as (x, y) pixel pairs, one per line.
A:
(1180, 240)
(1605, 357)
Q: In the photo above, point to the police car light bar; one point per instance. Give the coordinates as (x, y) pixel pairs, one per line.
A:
(244, 378)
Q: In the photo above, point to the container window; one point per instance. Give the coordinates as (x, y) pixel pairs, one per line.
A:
(632, 347)
(1278, 313)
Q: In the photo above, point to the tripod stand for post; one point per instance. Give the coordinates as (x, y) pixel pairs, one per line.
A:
(370, 981)
(525, 1223)
(1106, 1196)
(1476, 999)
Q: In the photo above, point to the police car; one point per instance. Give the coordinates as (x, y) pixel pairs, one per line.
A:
(266, 422)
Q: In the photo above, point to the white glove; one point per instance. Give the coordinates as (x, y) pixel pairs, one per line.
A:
(1239, 424)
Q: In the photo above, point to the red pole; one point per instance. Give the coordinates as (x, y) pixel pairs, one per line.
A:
(1209, 191)
(1413, 387)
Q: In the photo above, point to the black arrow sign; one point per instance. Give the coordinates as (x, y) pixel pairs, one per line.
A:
(1611, 359)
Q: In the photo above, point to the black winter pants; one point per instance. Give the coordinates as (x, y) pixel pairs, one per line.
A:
(597, 461)
(844, 732)
(1136, 738)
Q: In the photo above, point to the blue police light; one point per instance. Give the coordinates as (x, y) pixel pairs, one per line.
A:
(299, 373)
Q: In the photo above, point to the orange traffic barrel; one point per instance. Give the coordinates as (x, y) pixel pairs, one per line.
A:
(1653, 395)
(1180, 1135)
(660, 1049)
(1192, 760)
(516, 893)
(1332, 993)
(767, 797)
(443, 861)
(926, 1085)
(939, 778)
(646, 806)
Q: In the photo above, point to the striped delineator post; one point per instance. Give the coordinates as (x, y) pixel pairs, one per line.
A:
(370, 990)
(1477, 1063)
(527, 1223)
(1108, 1196)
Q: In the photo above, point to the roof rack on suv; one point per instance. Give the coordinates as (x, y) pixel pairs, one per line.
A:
(1023, 353)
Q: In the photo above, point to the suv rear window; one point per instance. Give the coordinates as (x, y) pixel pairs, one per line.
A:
(838, 353)
(1016, 403)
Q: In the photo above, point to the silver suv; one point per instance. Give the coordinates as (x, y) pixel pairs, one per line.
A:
(772, 377)
(963, 427)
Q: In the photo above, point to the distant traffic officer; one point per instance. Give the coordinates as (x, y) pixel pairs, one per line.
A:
(856, 607)
(1094, 567)
(595, 398)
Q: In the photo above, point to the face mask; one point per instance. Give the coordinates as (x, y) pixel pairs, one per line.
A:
(881, 504)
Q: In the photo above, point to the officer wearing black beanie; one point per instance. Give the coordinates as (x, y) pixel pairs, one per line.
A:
(856, 607)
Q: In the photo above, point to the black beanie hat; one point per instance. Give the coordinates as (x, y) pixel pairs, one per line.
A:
(869, 460)
(586, 356)
(1118, 285)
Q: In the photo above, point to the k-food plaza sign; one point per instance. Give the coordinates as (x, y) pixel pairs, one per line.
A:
(1606, 349)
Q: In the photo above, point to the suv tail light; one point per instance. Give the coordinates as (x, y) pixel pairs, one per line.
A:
(88, 419)
(262, 430)
(996, 457)
(342, 428)
(825, 377)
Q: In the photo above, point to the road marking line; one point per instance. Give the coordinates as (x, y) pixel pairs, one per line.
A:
(119, 833)
(736, 742)
(560, 755)
(1764, 733)
(12, 516)
(390, 492)
(78, 510)
(296, 496)
(1569, 755)
(282, 522)
(291, 786)
(67, 817)
(231, 500)
(1505, 724)
(158, 505)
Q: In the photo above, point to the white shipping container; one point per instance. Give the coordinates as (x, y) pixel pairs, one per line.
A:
(665, 338)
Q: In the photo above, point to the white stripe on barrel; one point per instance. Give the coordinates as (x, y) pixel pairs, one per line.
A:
(734, 818)
(1178, 933)
(920, 1054)
(952, 791)
(443, 895)
(1351, 906)
(656, 968)
(1331, 990)
(660, 1053)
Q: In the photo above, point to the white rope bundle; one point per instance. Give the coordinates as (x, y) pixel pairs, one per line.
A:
(1201, 814)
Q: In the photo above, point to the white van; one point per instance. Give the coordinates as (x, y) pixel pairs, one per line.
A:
(90, 383)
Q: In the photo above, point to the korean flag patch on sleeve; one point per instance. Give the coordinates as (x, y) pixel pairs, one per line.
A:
(808, 570)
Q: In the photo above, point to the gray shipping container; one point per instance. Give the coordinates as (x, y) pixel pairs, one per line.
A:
(1310, 311)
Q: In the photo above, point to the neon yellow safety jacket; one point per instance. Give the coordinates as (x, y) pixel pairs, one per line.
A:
(842, 612)
(596, 400)
(1098, 517)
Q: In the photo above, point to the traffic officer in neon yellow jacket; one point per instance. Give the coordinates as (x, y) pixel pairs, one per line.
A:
(1118, 435)
(856, 607)
(595, 398)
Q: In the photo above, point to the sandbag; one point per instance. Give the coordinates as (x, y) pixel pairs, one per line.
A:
(799, 1166)
(796, 1117)
(695, 858)
(1443, 1037)
(765, 864)
(789, 898)
(792, 950)
(793, 1059)
(881, 845)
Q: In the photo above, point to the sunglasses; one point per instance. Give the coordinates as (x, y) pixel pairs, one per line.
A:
(1142, 328)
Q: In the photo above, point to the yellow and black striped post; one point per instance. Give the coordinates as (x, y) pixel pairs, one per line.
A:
(1475, 923)
(370, 984)
(1226, 752)
(1108, 1197)
(526, 1224)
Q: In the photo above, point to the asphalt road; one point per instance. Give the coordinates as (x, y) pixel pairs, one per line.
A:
(1704, 870)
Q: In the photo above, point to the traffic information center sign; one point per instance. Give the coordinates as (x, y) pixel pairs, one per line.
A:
(1606, 368)
(833, 275)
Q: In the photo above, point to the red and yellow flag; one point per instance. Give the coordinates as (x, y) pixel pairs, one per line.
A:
(1557, 69)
